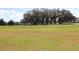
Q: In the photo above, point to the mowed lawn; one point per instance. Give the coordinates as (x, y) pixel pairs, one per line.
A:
(39, 38)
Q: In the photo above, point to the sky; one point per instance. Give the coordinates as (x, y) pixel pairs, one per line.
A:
(14, 9)
(15, 14)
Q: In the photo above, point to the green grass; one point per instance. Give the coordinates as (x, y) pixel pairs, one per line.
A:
(40, 38)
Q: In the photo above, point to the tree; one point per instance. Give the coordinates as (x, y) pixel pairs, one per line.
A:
(28, 18)
(66, 16)
(11, 22)
(2, 22)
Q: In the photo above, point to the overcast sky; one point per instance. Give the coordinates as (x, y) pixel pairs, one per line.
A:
(14, 9)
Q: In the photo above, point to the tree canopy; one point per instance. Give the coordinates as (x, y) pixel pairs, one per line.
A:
(48, 16)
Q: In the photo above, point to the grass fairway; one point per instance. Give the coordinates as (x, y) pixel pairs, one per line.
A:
(39, 38)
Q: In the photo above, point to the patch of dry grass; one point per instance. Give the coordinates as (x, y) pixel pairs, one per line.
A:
(39, 38)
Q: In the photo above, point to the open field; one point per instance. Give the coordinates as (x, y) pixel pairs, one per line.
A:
(39, 38)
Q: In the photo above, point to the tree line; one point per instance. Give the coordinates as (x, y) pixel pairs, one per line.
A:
(44, 16)
(10, 22)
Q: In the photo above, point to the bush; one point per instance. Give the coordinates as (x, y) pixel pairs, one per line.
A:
(11, 22)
